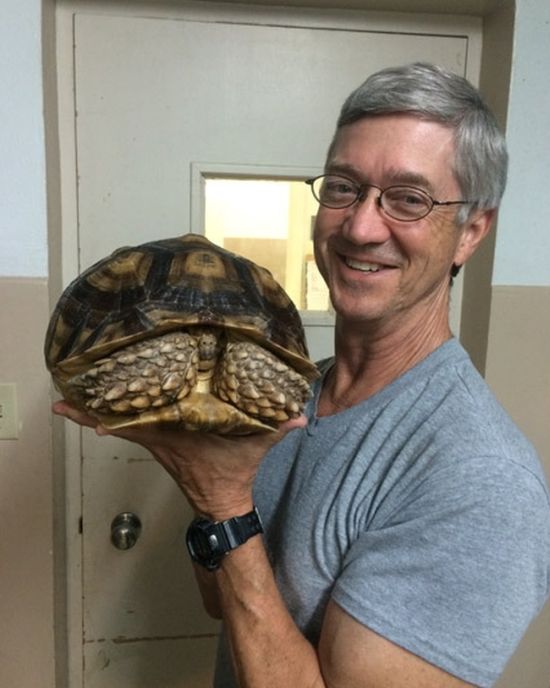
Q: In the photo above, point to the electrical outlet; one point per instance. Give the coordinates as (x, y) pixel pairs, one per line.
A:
(8, 412)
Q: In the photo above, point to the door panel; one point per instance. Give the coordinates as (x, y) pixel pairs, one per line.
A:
(143, 620)
(151, 663)
(153, 97)
(144, 582)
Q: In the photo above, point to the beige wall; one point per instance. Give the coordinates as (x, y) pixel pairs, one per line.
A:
(26, 504)
(518, 371)
(518, 360)
(508, 331)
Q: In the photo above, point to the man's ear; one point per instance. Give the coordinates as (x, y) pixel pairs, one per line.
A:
(472, 233)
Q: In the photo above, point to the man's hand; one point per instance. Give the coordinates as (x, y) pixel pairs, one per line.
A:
(216, 473)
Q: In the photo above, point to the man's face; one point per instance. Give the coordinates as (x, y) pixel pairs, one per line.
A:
(378, 268)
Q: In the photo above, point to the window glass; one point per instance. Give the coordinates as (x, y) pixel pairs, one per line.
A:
(270, 222)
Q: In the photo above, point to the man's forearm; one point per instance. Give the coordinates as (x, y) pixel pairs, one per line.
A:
(267, 647)
(208, 587)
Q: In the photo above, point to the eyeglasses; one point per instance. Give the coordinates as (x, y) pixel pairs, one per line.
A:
(404, 203)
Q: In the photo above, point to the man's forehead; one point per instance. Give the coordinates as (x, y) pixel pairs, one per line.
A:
(405, 150)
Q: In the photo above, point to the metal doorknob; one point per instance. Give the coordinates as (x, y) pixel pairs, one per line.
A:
(125, 530)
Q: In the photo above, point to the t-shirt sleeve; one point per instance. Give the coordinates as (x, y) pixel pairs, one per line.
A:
(457, 570)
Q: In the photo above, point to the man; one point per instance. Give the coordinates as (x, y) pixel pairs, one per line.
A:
(407, 538)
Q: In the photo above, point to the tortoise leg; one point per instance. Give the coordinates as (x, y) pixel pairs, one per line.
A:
(260, 384)
(144, 376)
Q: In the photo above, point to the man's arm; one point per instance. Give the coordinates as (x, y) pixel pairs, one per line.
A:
(353, 656)
(269, 651)
(208, 587)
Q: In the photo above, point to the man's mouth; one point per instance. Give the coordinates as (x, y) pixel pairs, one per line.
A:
(363, 266)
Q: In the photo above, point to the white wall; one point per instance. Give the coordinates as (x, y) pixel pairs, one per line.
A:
(23, 230)
(523, 243)
(522, 254)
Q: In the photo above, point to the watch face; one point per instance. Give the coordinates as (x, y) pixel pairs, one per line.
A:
(203, 547)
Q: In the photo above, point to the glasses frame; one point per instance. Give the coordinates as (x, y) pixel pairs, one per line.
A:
(363, 188)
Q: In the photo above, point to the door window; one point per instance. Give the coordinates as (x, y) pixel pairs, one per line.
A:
(269, 221)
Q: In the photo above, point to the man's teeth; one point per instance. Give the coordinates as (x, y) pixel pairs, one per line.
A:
(364, 267)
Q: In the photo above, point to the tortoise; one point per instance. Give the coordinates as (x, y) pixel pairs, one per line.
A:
(181, 332)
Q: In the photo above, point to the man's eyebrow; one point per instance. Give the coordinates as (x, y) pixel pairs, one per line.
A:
(396, 176)
(344, 169)
(392, 177)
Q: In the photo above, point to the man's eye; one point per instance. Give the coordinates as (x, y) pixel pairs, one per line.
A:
(409, 197)
(339, 188)
(414, 199)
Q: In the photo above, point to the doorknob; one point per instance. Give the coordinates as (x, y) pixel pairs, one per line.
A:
(125, 530)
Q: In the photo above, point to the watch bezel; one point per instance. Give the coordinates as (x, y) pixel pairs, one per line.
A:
(220, 537)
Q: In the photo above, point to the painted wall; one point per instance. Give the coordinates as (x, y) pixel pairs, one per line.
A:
(27, 648)
(522, 254)
(520, 300)
(523, 244)
(22, 172)
(518, 338)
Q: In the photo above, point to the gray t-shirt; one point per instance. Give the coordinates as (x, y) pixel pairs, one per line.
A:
(423, 512)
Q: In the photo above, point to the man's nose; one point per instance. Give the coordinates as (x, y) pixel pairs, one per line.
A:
(366, 221)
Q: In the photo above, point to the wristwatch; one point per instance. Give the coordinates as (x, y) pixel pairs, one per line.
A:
(209, 541)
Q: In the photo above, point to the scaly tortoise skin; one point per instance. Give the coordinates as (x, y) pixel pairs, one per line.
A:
(182, 332)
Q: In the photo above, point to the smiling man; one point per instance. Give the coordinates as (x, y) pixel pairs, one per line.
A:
(383, 243)
(406, 519)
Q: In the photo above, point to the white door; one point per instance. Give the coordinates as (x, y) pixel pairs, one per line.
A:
(157, 98)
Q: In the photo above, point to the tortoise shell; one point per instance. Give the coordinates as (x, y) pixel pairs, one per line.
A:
(179, 294)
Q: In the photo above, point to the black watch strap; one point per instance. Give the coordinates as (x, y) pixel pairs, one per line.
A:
(209, 541)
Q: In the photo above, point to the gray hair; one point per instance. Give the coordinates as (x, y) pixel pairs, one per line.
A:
(435, 94)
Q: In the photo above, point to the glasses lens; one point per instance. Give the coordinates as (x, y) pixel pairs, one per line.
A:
(335, 192)
(405, 202)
